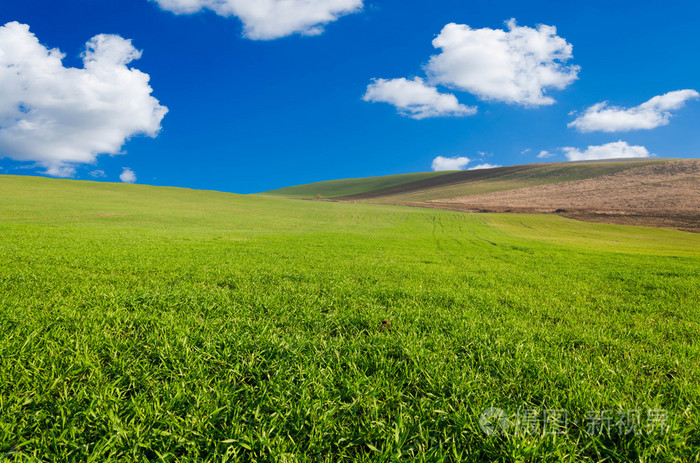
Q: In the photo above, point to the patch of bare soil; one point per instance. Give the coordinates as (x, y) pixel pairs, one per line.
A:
(659, 195)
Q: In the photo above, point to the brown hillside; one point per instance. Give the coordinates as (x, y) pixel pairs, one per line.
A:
(665, 195)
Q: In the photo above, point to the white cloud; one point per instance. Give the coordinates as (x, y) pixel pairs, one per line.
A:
(59, 117)
(415, 99)
(526, 150)
(441, 163)
(271, 19)
(545, 154)
(515, 66)
(98, 174)
(616, 150)
(484, 166)
(127, 175)
(654, 113)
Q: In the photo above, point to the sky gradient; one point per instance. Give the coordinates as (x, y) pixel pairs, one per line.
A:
(248, 111)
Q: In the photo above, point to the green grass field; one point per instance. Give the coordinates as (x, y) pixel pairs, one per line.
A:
(350, 186)
(140, 323)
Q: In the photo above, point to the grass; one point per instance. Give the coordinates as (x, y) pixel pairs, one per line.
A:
(350, 186)
(141, 323)
(541, 175)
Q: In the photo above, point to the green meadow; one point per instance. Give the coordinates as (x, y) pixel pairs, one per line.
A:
(158, 324)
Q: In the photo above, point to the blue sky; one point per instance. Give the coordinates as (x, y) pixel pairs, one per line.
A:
(248, 114)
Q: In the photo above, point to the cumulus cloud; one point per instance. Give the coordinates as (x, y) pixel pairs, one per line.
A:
(516, 66)
(654, 113)
(59, 117)
(616, 150)
(127, 175)
(271, 19)
(415, 99)
(441, 163)
(484, 166)
(545, 154)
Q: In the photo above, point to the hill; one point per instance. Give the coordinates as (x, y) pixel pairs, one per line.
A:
(426, 186)
(142, 323)
(467, 183)
(351, 186)
(651, 192)
(662, 194)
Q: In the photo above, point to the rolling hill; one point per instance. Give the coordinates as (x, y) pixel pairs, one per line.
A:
(652, 192)
(351, 186)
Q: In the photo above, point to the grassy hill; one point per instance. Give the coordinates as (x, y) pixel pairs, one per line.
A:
(425, 186)
(350, 186)
(143, 323)
(613, 191)
(469, 183)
